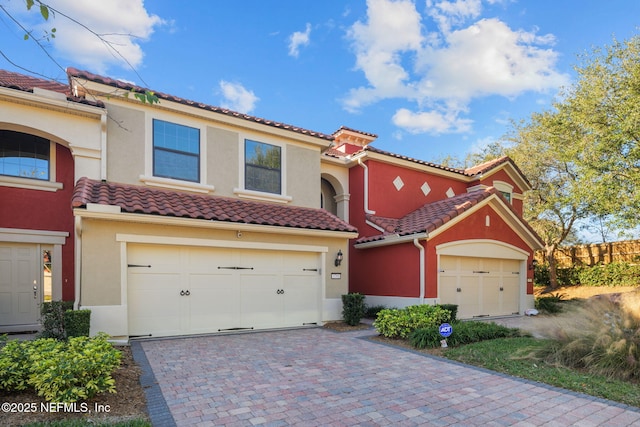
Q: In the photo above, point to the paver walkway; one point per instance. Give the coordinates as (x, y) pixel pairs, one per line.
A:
(317, 377)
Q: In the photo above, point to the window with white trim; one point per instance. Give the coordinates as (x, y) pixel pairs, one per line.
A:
(176, 151)
(24, 156)
(505, 188)
(262, 167)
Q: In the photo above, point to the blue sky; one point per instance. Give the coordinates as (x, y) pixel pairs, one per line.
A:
(431, 78)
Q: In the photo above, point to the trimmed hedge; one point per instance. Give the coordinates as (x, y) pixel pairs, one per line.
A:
(463, 333)
(77, 323)
(399, 323)
(613, 274)
(352, 308)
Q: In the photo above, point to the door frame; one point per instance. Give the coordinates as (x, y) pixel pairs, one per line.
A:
(41, 239)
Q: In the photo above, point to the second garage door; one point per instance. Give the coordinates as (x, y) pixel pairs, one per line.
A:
(191, 290)
(480, 286)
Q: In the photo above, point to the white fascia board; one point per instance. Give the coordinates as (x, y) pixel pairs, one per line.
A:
(68, 107)
(392, 239)
(203, 223)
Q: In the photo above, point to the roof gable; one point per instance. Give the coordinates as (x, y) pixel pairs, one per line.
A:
(432, 217)
(149, 201)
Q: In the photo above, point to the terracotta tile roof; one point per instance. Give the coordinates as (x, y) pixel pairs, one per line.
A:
(345, 128)
(429, 217)
(410, 159)
(487, 166)
(151, 201)
(26, 83)
(73, 72)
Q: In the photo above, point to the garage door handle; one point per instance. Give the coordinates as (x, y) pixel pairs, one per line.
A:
(458, 289)
(280, 291)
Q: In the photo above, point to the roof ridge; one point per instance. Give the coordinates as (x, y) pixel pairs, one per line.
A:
(74, 72)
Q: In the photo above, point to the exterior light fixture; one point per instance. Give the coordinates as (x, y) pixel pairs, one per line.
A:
(533, 264)
(338, 258)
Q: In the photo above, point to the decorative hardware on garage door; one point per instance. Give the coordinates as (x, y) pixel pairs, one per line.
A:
(185, 293)
(235, 268)
(481, 272)
(138, 265)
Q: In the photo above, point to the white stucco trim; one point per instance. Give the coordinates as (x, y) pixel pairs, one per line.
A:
(30, 184)
(176, 184)
(203, 223)
(235, 244)
(482, 248)
(19, 235)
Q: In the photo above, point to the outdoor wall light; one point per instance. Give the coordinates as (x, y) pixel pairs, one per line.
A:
(338, 258)
(533, 264)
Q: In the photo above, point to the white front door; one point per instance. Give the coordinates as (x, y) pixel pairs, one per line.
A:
(20, 287)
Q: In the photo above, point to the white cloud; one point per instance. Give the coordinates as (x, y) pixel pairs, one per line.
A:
(430, 121)
(298, 39)
(442, 71)
(124, 24)
(237, 97)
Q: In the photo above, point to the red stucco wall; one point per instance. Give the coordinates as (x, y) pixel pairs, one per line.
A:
(387, 201)
(46, 210)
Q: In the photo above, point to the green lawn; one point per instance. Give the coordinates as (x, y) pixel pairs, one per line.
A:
(514, 356)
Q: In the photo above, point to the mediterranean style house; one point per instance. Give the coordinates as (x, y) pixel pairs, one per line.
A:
(177, 217)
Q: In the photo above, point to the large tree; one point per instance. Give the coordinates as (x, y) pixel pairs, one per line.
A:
(604, 109)
(582, 156)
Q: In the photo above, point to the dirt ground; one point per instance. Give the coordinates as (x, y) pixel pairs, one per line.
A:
(128, 403)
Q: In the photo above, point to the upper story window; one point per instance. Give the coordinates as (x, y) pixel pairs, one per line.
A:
(24, 156)
(263, 167)
(505, 188)
(176, 151)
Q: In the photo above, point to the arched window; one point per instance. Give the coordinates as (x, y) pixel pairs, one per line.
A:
(25, 156)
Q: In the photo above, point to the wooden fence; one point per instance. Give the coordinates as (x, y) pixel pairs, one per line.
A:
(597, 253)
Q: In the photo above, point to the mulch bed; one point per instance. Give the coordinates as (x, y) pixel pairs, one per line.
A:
(127, 403)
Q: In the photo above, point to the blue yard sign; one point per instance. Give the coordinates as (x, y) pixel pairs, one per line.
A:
(445, 330)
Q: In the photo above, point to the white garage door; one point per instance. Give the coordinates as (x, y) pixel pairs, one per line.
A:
(190, 290)
(480, 286)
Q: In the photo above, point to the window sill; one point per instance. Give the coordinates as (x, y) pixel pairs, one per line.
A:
(258, 195)
(30, 184)
(176, 184)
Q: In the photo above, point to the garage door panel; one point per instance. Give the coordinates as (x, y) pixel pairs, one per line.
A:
(300, 300)
(227, 288)
(488, 286)
(261, 300)
(156, 298)
(214, 302)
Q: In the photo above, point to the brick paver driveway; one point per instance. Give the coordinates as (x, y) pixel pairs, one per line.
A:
(316, 377)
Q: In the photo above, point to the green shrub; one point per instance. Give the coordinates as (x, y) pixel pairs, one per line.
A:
(463, 333)
(371, 312)
(52, 317)
(60, 371)
(352, 308)
(77, 323)
(453, 309)
(399, 323)
(613, 274)
(550, 303)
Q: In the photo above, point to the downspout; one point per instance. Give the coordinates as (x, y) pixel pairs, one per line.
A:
(366, 188)
(417, 244)
(78, 255)
(103, 147)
